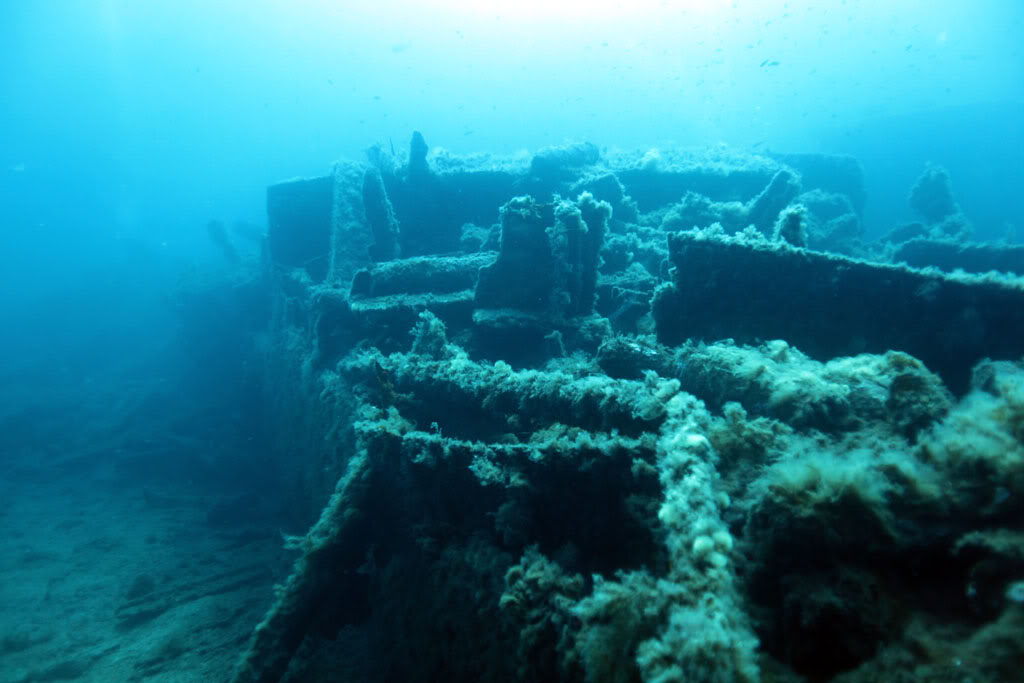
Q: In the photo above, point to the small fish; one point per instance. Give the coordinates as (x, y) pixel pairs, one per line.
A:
(769, 62)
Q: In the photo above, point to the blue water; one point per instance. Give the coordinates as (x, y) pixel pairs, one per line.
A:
(127, 126)
(167, 114)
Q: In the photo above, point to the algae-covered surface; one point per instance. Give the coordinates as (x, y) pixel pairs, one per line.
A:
(606, 440)
(512, 423)
(485, 342)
